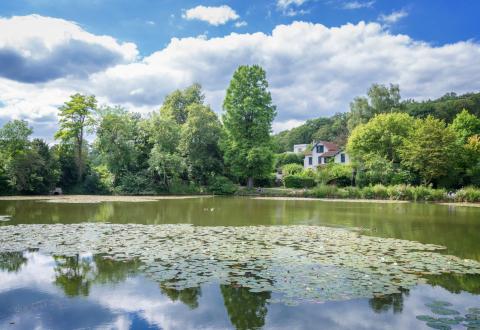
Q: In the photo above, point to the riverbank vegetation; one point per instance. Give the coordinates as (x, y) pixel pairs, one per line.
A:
(399, 149)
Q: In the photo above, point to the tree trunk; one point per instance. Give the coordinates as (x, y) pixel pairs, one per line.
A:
(250, 183)
(80, 159)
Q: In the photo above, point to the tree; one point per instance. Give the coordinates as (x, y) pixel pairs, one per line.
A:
(199, 143)
(117, 130)
(248, 117)
(431, 149)
(176, 104)
(381, 99)
(382, 136)
(75, 119)
(164, 161)
(466, 125)
(14, 137)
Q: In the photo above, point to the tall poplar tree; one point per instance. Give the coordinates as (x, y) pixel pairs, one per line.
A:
(75, 118)
(248, 117)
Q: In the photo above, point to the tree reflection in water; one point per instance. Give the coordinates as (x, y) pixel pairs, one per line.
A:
(12, 261)
(392, 301)
(246, 310)
(76, 274)
(187, 296)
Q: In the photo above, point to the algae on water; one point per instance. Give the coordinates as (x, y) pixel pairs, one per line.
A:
(295, 263)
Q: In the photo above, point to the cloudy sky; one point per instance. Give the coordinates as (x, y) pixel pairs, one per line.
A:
(318, 54)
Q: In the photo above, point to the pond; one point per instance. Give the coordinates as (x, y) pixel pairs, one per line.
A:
(238, 263)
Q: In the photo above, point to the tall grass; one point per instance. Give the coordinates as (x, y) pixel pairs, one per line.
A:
(397, 192)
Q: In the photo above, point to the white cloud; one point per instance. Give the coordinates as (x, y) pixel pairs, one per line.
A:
(394, 17)
(240, 24)
(213, 15)
(39, 49)
(358, 4)
(284, 4)
(313, 71)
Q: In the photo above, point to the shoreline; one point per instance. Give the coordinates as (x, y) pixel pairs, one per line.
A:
(92, 199)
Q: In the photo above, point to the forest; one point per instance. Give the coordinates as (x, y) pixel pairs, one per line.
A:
(185, 148)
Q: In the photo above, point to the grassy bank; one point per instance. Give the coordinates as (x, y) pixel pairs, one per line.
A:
(377, 192)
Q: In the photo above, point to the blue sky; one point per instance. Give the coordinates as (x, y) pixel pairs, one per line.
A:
(152, 23)
(319, 54)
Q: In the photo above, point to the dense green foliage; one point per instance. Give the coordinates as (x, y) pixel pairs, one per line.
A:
(185, 148)
(248, 117)
(182, 148)
(380, 99)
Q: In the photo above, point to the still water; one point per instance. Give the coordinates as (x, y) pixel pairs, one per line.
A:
(38, 291)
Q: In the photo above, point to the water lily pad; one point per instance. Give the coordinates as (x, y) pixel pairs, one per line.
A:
(438, 303)
(438, 325)
(474, 310)
(444, 311)
(426, 318)
(300, 263)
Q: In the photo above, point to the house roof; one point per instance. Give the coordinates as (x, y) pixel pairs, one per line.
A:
(329, 145)
(330, 153)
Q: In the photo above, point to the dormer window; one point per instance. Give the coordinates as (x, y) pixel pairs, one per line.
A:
(320, 149)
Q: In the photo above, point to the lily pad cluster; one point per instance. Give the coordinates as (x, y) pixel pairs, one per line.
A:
(295, 263)
(445, 317)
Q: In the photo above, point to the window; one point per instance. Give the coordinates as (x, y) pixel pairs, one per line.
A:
(319, 160)
(310, 160)
(320, 149)
(342, 158)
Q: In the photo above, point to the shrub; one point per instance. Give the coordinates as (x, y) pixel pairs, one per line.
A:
(136, 184)
(398, 192)
(377, 191)
(292, 169)
(220, 185)
(324, 191)
(468, 194)
(268, 181)
(298, 181)
(288, 158)
(352, 192)
(340, 174)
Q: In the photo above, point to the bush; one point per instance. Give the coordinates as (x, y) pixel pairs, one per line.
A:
(135, 184)
(377, 191)
(468, 194)
(220, 185)
(268, 181)
(292, 169)
(288, 158)
(338, 174)
(324, 191)
(298, 181)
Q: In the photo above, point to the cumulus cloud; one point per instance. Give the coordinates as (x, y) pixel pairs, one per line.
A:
(212, 15)
(313, 71)
(283, 4)
(38, 49)
(358, 4)
(240, 24)
(394, 17)
(287, 7)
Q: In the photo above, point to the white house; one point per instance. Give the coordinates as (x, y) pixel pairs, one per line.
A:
(323, 152)
(298, 148)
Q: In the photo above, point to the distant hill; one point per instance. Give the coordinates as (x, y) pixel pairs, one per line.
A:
(335, 128)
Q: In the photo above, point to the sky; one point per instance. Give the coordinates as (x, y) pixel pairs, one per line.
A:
(318, 54)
